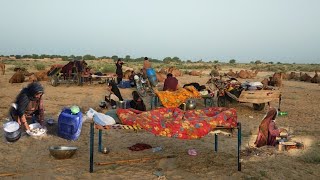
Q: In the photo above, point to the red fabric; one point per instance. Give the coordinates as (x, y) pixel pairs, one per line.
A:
(173, 122)
(267, 130)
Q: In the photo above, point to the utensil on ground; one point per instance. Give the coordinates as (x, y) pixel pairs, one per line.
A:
(12, 131)
(62, 152)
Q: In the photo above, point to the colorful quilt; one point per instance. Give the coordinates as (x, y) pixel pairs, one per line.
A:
(171, 99)
(173, 122)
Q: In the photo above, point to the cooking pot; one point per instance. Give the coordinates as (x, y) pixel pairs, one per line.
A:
(12, 131)
(191, 104)
(121, 104)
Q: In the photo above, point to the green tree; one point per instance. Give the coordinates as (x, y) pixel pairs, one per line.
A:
(89, 57)
(257, 62)
(232, 61)
(216, 61)
(115, 57)
(167, 60)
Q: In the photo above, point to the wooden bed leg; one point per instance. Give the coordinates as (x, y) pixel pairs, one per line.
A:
(216, 142)
(91, 146)
(239, 145)
(100, 141)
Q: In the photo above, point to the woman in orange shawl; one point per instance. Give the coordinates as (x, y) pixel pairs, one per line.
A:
(267, 130)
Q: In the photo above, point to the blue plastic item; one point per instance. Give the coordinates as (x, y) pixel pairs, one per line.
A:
(152, 76)
(69, 125)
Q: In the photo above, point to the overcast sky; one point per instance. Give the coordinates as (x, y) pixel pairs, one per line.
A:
(244, 30)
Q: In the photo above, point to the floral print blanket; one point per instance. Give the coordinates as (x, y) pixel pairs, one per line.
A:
(171, 99)
(176, 123)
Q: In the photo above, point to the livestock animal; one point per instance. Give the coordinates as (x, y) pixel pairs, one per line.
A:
(316, 78)
(3, 68)
(305, 77)
(17, 77)
(231, 73)
(174, 71)
(195, 73)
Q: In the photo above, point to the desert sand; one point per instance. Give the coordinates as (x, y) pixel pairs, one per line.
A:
(29, 158)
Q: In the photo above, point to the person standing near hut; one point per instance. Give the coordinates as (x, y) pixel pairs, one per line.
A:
(119, 72)
(28, 106)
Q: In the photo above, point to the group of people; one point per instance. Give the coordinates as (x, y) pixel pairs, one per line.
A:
(28, 106)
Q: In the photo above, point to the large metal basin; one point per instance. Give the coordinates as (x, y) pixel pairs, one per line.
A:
(62, 152)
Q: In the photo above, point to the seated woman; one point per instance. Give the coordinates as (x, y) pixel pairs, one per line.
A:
(87, 75)
(171, 83)
(28, 106)
(267, 130)
(137, 102)
(131, 79)
(113, 95)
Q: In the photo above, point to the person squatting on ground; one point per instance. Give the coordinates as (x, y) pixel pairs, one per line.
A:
(28, 106)
(267, 130)
(171, 83)
(137, 102)
(119, 71)
(113, 94)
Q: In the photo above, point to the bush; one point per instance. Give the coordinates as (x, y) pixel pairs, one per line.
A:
(40, 66)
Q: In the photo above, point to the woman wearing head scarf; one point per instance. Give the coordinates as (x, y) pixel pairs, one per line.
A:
(113, 94)
(137, 102)
(267, 130)
(28, 105)
(119, 70)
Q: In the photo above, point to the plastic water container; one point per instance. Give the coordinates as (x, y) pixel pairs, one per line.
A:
(152, 76)
(69, 125)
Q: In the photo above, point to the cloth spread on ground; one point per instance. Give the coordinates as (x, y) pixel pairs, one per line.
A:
(173, 122)
(170, 99)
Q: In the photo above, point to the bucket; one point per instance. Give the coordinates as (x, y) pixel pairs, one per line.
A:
(121, 104)
(152, 76)
(12, 131)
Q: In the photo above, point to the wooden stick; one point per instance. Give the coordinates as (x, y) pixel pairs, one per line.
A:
(133, 160)
(6, 174)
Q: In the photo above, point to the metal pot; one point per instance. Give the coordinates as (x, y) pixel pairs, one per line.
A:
(12, 131)
(191, 104)
(121, 104)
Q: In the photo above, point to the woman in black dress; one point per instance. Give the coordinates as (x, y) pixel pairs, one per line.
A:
(119, 70)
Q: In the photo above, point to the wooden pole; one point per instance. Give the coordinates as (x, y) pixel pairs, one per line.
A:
(133, 160)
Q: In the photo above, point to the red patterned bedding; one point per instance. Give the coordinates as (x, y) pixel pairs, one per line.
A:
(173, 122)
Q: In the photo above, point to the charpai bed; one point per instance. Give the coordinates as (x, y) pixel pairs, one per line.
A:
(174, 123)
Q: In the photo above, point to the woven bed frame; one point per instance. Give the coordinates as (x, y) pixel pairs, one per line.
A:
(216, 131)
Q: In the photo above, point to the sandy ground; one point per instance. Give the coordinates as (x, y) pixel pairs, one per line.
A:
(29, 158)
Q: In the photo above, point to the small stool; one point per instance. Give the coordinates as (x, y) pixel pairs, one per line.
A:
(208, 100)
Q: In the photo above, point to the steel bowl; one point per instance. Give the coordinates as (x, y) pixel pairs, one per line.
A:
(62, 152)
(50, 122)
(191, 104)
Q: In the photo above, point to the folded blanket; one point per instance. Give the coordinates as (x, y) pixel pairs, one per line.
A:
(171, 99)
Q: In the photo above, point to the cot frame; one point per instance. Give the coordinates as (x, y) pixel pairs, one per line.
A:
(93, 126)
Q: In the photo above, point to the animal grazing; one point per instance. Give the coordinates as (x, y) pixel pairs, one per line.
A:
(3, 68)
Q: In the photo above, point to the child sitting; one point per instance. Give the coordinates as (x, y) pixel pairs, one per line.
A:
(137, 102)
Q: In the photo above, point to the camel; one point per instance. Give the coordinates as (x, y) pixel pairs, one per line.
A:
(174, 71)
(243, 74)
(195, 73)
(316, 78)
(3, 68)
(305, 77)
(294, 76)
(231, 73)
(17, 77)
(161, 76)
(276, 79)
(265, 83)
